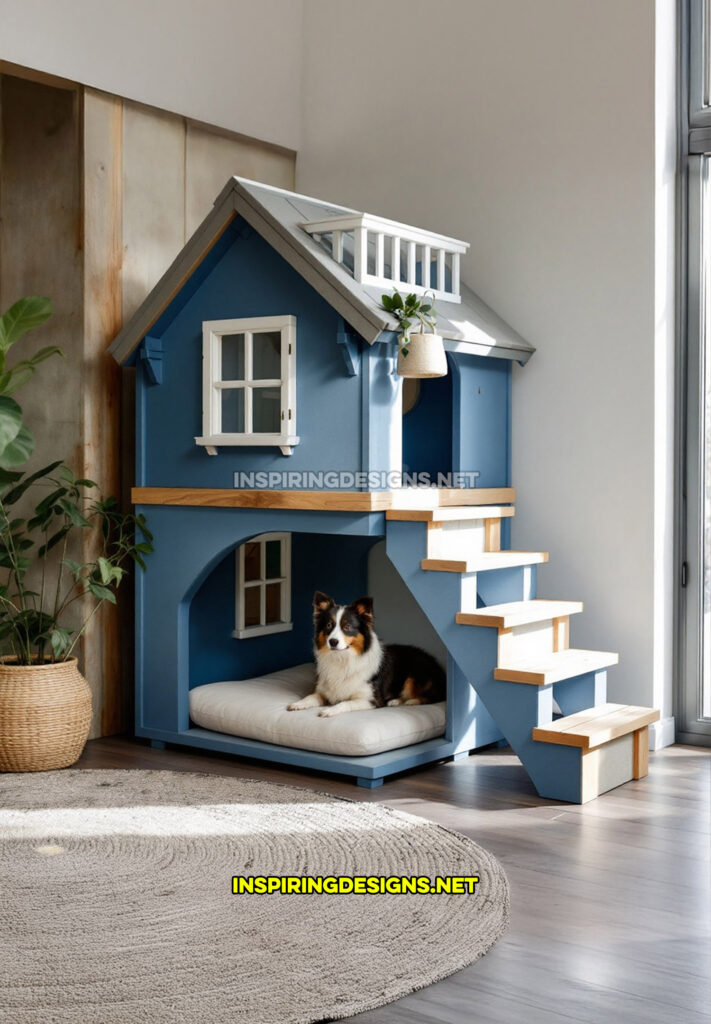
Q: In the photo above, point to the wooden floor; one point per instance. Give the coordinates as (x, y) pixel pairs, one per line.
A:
(610, 901)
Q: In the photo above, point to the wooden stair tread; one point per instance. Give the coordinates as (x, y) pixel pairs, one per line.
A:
(451, 513)
(519, 613)
(423, 498)
(592, 728)
(485, 561)
(542, 669)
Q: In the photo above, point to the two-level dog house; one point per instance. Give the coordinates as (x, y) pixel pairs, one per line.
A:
(270, 422)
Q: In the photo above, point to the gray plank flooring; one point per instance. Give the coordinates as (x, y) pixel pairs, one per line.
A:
(610, 901)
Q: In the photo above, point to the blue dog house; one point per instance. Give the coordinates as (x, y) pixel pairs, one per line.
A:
(279, 453)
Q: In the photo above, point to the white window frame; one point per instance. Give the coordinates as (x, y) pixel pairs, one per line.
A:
(241, 631)
(213, 385)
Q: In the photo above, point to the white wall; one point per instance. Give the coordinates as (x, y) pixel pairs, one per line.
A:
(527, 129)
(232, 63)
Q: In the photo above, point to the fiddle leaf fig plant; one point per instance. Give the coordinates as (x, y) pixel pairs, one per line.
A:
(410, 310)
(39, 582)
(17, 443)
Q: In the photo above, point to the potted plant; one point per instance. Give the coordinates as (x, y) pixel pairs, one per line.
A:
(420, 352)
(48, 598)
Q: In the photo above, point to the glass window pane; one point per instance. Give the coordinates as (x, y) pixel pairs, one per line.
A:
(266, 355)
(266, 410)
(233, 357)
(232, 410)
(273, 559)
(273, 602)
(252, 568)
(252, 601)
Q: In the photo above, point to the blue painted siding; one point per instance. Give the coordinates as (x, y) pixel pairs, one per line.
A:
(336, 565)
(482, 417)
(249, 279)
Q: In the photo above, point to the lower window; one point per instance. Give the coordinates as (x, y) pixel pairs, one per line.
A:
(263, 594)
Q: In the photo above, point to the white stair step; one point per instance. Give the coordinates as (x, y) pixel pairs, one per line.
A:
(592, 728)
(452, 513)
(519, 613)
(540, 670)
(485, 561)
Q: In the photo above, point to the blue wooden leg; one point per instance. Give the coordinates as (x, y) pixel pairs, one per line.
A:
(157, 745)
(369, 783)
(461, 756)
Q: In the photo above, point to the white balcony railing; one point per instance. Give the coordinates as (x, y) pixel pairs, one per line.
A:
(389, 255)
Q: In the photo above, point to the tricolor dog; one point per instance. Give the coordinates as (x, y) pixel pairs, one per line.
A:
(355, 672)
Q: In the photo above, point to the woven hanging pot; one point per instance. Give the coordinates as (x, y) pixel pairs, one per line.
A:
(425, 357)
(45, 714)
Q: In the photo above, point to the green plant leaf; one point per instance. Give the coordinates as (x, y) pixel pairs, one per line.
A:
(9, 477)
(23, 316)
(73, 512)
(102, 593)
(19, 450)
(16, 492)
(53, 541)
(60, 640)
(10, 421)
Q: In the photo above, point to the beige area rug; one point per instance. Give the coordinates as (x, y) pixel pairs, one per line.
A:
(116, 902)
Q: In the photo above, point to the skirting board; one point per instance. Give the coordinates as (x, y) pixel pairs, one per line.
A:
(662, 734)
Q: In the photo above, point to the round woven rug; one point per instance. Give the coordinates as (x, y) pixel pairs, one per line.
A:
(116, 901)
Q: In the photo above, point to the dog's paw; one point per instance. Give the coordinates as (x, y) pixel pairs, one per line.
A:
(295, 707)
(327, 712)
(395, 702)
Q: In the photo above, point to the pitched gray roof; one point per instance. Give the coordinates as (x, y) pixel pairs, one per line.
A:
(277, 215)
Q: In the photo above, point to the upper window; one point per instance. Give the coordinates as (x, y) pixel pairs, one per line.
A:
(249, 383)
(263, 595)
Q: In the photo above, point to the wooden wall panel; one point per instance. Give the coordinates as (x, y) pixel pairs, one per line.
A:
(103, 171)
(153, 198)
(41, 248)
(212, 157)
(97, 197)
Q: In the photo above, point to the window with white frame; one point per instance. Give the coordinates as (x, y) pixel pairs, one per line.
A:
(263, 595)
(249, 383)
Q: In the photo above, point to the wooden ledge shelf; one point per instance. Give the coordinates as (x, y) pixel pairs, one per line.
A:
(450, 513)
(322, 501)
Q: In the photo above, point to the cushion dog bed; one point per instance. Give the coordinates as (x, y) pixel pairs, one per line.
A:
(256, 709)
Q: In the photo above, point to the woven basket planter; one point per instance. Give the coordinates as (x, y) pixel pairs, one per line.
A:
(45, 714)
(425, 357)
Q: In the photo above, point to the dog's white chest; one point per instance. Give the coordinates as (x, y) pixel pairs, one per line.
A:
(345, 675)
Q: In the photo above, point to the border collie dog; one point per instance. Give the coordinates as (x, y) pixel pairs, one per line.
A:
(354, 671)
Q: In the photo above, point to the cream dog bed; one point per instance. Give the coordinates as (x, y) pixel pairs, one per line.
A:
(256, 710)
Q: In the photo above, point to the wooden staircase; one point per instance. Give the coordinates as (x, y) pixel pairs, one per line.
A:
(517, 656)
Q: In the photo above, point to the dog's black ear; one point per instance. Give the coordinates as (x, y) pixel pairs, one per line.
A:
(364, 607)
(322, 601)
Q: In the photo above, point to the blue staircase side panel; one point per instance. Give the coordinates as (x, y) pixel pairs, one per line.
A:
(469, 724)
(499, 586)
(581, 693)
(516, 708)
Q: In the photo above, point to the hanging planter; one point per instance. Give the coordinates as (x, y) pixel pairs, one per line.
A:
(420, 353)
(423, 357)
